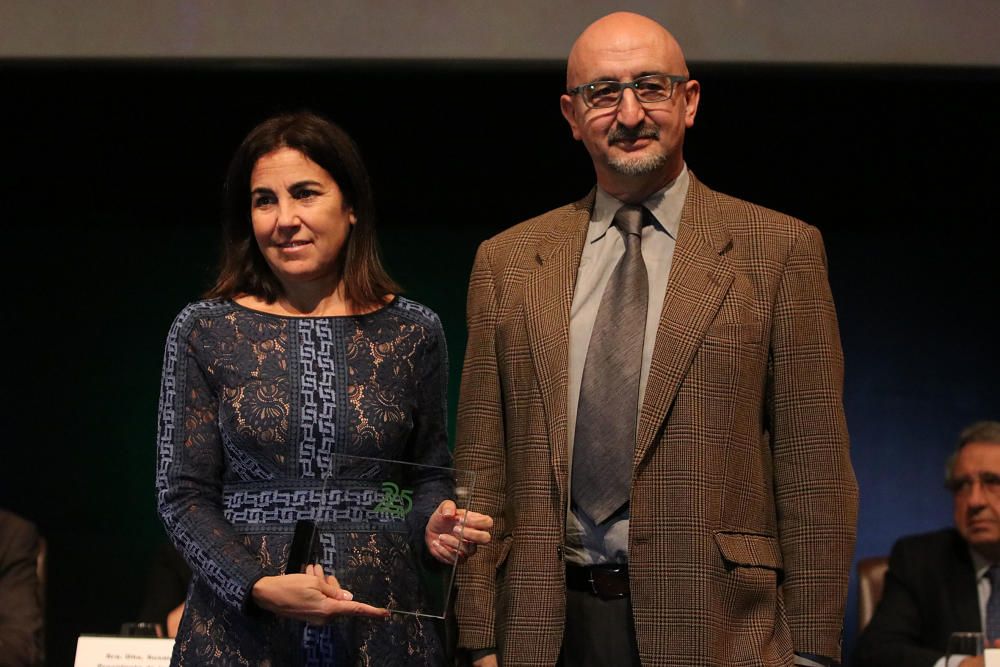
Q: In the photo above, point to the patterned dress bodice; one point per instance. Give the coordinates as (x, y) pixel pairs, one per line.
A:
(257, 411)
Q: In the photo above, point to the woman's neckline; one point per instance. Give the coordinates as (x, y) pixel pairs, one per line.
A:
(281, 316)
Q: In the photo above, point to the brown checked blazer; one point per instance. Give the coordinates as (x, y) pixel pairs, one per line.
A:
(743, 499)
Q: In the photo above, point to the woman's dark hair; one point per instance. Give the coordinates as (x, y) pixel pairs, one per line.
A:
(244, 269)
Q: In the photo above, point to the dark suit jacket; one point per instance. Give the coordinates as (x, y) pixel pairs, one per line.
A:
(20, 608)
(167, 585)
(930, 592)
(743, 499)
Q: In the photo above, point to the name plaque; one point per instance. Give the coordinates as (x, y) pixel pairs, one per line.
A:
(113, 651)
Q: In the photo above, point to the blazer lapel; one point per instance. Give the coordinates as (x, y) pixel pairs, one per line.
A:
(700, 276)
(548, 295)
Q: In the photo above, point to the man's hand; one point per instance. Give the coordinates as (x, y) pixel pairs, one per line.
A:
(487, 661)
(446, 524)
(310, 597)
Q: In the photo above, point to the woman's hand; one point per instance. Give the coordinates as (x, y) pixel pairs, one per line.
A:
(446, 524)
(310, 597)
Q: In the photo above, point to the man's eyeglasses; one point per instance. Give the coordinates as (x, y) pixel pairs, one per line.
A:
(962, 486)
(647, 89)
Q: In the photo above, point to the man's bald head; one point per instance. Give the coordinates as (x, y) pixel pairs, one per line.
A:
(613, 37)
(636, 146)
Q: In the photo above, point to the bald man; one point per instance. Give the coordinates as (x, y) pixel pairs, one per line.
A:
(651, 400)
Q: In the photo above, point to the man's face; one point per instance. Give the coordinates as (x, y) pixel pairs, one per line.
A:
(976, 483)
(631, 139)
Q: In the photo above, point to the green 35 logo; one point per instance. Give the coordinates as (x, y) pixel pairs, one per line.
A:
(395, 503)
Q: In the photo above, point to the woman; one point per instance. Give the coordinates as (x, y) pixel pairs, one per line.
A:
(301, 355)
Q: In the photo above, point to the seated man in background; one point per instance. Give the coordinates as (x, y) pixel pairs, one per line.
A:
(20, 607)
(166, 590)
(946, 581)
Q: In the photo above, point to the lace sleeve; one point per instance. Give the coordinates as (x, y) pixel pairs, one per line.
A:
(428, 443)
(190, 467)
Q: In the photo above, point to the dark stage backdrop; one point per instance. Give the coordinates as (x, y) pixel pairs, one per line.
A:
(111, 186)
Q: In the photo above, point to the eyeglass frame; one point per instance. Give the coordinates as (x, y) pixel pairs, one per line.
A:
(674, 79)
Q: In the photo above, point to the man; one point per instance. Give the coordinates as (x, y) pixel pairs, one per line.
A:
(943, 582)
(651, 400)
(166, 589)
(20, 608)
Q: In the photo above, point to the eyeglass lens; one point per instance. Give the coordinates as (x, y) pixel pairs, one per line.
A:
(602, 94)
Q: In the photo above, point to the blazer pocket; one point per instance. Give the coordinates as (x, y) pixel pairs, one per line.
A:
(746, 332)
(750, 550)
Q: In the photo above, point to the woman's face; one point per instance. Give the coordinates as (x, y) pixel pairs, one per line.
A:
(300, 219)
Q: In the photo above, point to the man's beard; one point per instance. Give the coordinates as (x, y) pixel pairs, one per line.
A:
(638, 165)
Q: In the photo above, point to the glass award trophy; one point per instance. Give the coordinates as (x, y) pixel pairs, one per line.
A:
(368, 530)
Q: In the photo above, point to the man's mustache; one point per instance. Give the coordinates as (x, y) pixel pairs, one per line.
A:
(622, 133)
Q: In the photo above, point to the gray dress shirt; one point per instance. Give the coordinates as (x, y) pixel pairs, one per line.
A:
(587, 543)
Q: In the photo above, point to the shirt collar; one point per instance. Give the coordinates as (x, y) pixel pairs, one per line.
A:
(665, 205)
(979, 564)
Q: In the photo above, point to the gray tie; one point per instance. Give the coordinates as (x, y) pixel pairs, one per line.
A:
(604, 442)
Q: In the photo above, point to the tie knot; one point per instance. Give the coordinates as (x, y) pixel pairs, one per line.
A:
(629, 219)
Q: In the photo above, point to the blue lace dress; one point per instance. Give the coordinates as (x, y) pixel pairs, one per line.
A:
(254, 409)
